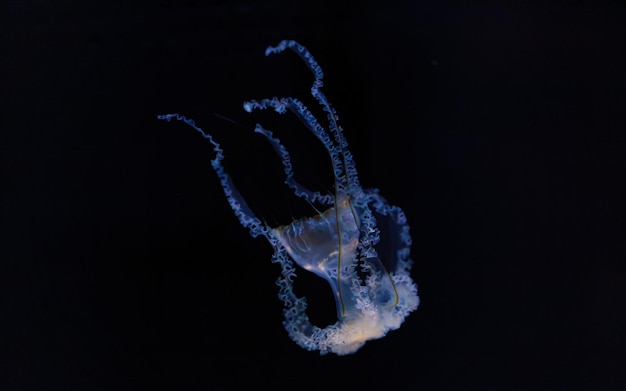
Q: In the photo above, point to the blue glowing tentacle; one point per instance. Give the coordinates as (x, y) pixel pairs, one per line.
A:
(280, 105)
(246, 217)
(298, 189)
(348, 162)
(408, 298)
(380, 205)
(297, 323)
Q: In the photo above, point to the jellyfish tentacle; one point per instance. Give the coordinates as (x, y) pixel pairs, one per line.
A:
(352, 179)
(406, 289)
(298, 189)
(246, 217)
(398, 218)
(281, 105)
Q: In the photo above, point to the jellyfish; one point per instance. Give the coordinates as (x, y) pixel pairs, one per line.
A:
(339, 244)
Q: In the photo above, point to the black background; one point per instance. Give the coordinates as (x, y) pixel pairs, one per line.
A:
(499, 129)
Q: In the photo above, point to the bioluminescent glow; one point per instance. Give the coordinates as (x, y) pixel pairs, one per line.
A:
(373, 296)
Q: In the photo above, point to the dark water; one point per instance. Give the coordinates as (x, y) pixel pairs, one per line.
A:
(500, 130)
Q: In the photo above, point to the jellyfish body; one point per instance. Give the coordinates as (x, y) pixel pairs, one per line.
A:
(339, 244)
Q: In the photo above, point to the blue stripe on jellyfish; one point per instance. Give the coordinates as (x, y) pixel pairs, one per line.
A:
(339, 244)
